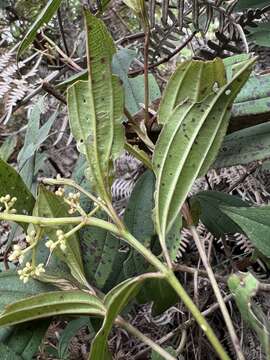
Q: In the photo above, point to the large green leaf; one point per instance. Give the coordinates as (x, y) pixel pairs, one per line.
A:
(190, 140)
(244, 146)
(114, 302)
(96, 107)
(255, 223)
(133, 87)
(49, 205)
(158, 292)
(246, 4)
(8, 353)
(51, 304)
(25, 339)
(244, 288)
(193, 81)
(254, 98)
(43, 18)
(13, 289)
(211, 215)
(102, 257)
(138, 219)
(11, 183)
(260, 34)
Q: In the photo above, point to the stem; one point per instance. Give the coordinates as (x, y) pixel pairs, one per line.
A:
(217, 292)
(132, 330)
(62, 32)
(146, 80)
(131, 240)
(173, 281)
(68, 182)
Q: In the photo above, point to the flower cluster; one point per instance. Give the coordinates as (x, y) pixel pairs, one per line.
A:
(61, 241)
(8, 202)
(72, 199)
(29, 270)
(18, 252)
(74, 202)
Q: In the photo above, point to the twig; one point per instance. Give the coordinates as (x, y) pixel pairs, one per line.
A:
(62, 32)
(244, 176)
(202, 273)
(50, 89)
(132, 330)
(65, 57)
(167, 58)
(146, 82)
(223, 308)
(183, 326)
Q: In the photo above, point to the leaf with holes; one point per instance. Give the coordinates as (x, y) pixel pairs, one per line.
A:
(254, 222)
(192, 81)
(51, 304)
(96, 107)
(43, 18)
(190, 139)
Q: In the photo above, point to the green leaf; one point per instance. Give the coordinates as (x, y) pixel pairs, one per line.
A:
(8, 147)
(114, 302)
(35, 135)
(260, 34)
(13, 289)
(102, 257)
(11, 183)
(211, 215)
(159, 293)
(255, 223)
(244, 146)
(29, 160)
(68, 333)
(246, 4)
(8, 353)
(96, 107)
(25, 339)
(138, 219)
(254, 98)
(133, 87)
(51, 206)
(192, 81)
(244, 288)
(51, 304)
(189, 141)
(43, 18)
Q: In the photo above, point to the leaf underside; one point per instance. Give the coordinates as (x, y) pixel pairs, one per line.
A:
(192, 135)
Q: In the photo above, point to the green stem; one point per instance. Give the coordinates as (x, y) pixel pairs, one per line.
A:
(174, 282)
(131, 240)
